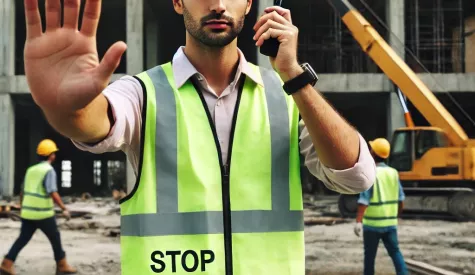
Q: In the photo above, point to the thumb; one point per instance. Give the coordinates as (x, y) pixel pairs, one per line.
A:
(111, 60)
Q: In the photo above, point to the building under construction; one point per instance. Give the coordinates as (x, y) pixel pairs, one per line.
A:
(435, 37)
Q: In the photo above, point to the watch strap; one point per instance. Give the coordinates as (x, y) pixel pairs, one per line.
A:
(307, 77)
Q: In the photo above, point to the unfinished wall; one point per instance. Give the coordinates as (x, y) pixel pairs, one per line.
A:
(432, 36)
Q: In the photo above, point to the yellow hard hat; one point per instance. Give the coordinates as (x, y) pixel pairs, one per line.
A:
(381, 147)
(46, 147)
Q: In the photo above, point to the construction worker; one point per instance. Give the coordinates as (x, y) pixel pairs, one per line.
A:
(213, 139)
(37, 210)
(378, 210)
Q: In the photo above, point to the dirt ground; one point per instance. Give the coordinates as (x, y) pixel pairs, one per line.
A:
(330, 249)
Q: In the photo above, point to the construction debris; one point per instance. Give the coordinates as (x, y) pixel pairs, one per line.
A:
(323, 221)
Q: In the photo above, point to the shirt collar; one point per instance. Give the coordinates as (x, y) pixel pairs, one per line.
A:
(381, 164)
(183, 69)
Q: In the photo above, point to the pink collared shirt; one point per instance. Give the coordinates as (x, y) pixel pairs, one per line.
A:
(126, 99)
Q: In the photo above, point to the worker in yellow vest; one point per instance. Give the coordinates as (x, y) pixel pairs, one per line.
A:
(378, 210)
(37, 210)
(214, 141)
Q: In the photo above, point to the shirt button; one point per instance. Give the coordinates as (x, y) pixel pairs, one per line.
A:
(219, 102)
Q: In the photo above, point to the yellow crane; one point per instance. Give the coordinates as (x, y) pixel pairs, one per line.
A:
(436, 163)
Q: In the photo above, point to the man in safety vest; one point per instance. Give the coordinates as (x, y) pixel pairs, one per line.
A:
(37, 199)
(213, 139)
(378, 210)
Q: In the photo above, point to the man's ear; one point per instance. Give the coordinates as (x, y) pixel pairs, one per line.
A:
(249, 6)
(178, 5)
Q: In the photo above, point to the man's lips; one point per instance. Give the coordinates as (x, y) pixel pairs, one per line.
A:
(217, 24)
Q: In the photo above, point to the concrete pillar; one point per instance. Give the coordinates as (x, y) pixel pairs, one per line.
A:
(7, 145)
(395, 15)
(263, 60)
(135, 54)
(135, 39)
(151, 31)
(7, 38)
(7, 115)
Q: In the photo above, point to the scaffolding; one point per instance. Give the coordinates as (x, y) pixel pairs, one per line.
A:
(327, 43)
(435, 33)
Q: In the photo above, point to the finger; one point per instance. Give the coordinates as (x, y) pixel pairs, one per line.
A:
(269, 24)
(283, 12)
(271, 16)
(270, 33)
(33, 19)
(53, 14)
(111, 61)
(91, 16)
(71, 13)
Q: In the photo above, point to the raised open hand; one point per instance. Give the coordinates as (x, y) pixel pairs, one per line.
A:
(61, 64)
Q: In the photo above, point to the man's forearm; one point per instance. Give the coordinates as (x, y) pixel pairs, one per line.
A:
(360, 213)
(89, 125)
(400, 208)
(336, 142)
(57, 199)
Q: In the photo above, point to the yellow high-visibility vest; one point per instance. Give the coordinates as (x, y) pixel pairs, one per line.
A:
(384, 204)
(191, 214)
(36, 204)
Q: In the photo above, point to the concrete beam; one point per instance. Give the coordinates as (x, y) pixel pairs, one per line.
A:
(135, 34)
(263, 60)
(7, 145)
(449, 82)
(353, 83)
(327, 83)
(437, 83)
(7, 37)
(18, 84)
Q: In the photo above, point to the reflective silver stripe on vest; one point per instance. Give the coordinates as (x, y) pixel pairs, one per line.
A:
(210, 222)
(166, 143)
(280, 139)
(36, 195)
(168, 221)
(37, 208)
(380, 218)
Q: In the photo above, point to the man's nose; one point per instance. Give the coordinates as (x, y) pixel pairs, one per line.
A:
(218, 6)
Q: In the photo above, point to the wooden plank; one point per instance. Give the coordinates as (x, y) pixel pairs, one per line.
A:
(428, 269)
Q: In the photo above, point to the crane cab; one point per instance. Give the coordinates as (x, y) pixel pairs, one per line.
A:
(425, 154)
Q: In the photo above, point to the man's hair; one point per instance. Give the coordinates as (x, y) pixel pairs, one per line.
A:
(43, 158)
(379, 159)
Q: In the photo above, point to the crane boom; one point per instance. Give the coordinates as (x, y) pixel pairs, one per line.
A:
(397, 70)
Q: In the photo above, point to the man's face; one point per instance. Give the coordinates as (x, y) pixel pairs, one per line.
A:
(52, 157)
(214, 23)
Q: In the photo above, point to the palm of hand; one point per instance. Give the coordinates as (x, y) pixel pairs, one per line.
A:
(61, 65)
(60, 69)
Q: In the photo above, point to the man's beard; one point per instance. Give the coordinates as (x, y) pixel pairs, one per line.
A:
(215, 39)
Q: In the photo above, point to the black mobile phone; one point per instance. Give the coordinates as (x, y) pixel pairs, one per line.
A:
(270, 47)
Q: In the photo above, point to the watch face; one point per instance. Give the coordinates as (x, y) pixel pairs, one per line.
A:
(309, 69)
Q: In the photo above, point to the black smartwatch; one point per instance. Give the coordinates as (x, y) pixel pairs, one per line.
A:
(307, 77)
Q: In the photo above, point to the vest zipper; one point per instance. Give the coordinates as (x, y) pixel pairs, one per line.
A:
(225, 173)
